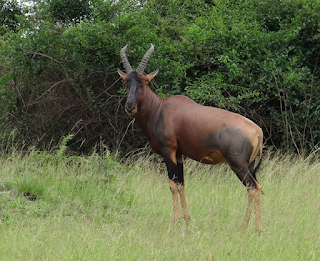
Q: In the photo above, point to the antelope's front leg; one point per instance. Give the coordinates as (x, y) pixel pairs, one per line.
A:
(186, 214)
(174, 183)
(174, 190)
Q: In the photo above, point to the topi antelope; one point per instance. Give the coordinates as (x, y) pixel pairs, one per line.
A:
(177, 126)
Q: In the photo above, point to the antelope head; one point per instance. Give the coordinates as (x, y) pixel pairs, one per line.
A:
(135, 80)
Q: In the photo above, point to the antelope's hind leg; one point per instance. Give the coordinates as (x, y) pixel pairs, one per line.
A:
(247, 215)
(254, 196)
(257, 208)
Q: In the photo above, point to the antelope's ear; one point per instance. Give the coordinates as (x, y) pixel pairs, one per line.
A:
(150, 76)
(122, 74)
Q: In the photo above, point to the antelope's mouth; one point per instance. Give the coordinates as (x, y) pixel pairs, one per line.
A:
(131, 110)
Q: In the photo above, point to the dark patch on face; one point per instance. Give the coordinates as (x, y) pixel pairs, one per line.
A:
(232, 144)
(133, 81)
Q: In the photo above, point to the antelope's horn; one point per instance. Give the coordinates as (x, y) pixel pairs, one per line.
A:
(145, 60)
(125, 60)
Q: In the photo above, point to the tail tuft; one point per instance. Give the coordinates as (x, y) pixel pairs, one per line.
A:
(256, 169)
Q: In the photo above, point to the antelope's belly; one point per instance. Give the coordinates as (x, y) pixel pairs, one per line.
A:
(206, 157)
(213, 157)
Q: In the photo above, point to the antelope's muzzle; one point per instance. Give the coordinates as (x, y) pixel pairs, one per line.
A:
(131, 108)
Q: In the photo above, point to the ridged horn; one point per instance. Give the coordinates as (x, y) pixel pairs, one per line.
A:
(145, 60)
(125, 60)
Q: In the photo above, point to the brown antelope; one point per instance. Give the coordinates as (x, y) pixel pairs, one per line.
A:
(177, 126)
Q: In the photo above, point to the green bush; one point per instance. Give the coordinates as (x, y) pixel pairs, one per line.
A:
(260, 59)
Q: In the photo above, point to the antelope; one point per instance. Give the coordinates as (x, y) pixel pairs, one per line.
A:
(178, 126)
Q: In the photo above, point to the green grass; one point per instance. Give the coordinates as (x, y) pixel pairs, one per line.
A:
(93, 208)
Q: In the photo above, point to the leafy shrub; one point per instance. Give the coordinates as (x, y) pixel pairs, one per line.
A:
(261, 59)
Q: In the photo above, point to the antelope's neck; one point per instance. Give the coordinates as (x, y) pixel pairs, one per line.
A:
(149, 110)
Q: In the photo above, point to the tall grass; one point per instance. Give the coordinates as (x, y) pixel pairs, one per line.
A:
(54, 207)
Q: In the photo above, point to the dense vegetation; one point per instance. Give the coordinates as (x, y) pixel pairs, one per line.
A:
(54, 207)
(58, 61)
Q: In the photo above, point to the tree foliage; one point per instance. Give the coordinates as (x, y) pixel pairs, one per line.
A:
(9, 16)
(260, 59)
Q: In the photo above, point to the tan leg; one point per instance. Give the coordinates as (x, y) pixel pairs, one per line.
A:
(174, 190)
(186, 214)
(251, 193)
(257, 209)
(254, 195)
